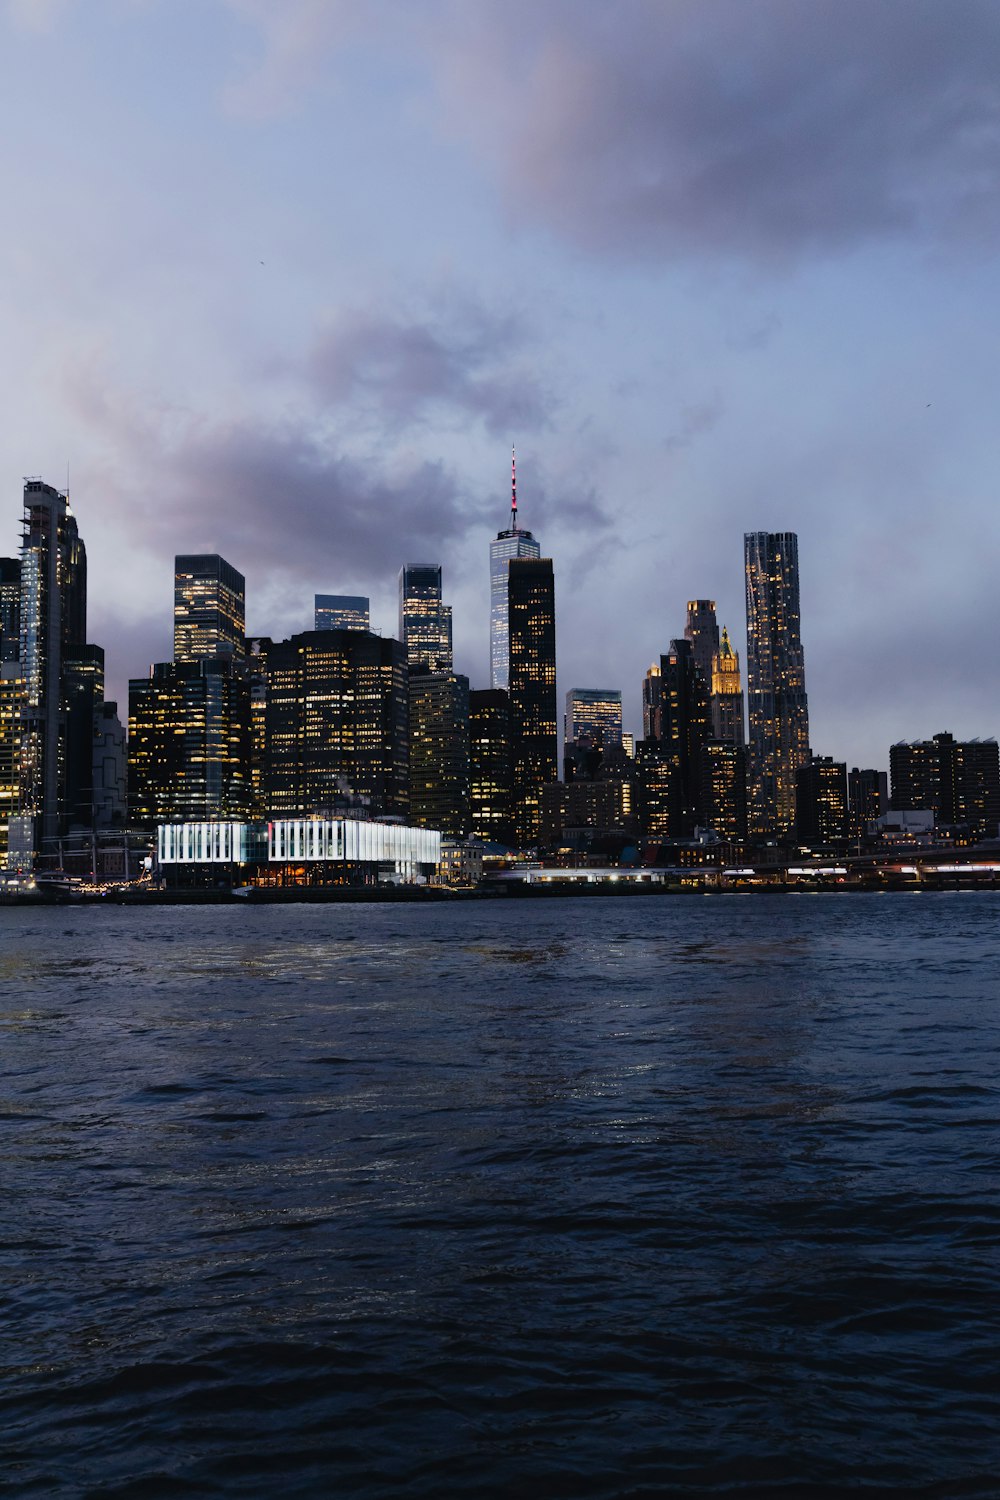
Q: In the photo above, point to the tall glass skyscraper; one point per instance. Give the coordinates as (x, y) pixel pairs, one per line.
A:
(776, 685)
(534, 730)
(209, 608)
(424, 622)
(340, 612)
(594, 714)
(514, 542)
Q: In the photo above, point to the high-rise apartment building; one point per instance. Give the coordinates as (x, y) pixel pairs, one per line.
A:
(11, 704)
(702, 630)
(594, 714)
(424, 622)
(724, 789)
(727, 694)
(336, 724)
(53, 625)
(958, 780)
(651, 688)
(821, 801)
(867, 798)
(515, 542)
(776, 689)
(439, 752)
(209, 608)
(341, 612)
(531, 623)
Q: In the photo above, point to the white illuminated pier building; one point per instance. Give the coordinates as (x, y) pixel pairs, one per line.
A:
(411, 852)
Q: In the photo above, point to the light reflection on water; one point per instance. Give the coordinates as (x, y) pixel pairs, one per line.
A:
(626, 1196)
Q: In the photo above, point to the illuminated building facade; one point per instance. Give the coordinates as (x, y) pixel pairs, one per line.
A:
(656, 773)
(534, 727)
(341, 612)
(439, 752)
(209, 608)
(12, 698)
(491, 784)
(307, 851)
(515, 542)
(258, 647)
(603, 806)
(189, 742)
(594, 714)
(727, 694)
(336, 724)
(53, 624)
(702, 630)
(959, 781)
(776, 690)
(821, 801)
(424, 622)
(724, 789)
(10, 608)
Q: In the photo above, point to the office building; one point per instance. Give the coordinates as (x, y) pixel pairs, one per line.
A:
(491, 784)
(53, 625)
(12, 699)
(867, 799)
(83, 696)
(656, 774)
(651, 703)
(531, 625)
(515, 542)
(341, 612)
(10, 608)
(439, 752)
(258, 647)
(778, 709)
(189, 742)
(594, 714)
(110, 769)
(821, 801)
(684, 729)
(959, 781)
(336, 725)
(724, 789)
(702, 631)
(424, 622)
(209, 608)
(727, 694)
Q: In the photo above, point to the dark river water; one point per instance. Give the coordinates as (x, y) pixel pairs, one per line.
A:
(559, 1198)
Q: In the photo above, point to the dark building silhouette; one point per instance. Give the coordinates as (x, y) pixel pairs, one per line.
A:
(776, 691)
(209, 608)
(656, 772)
(439, 752)
(531, 626)
(424, 622)
(684, 730)
(867, 799)
(702, 630)
(336, 724)
(959, 781)
(491, 772)
(821, 801)
(10, 608)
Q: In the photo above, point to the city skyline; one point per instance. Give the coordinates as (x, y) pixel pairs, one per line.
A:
(324, 271)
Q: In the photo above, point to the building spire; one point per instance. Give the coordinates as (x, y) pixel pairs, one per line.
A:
(513, 490)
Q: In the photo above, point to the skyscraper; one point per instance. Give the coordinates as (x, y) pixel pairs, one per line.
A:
(424, 622)
(702, 630)
(514, 542)
(532, 654)
(340, 612)
(958, 779)
(439, 752)
(776, 688)
(821, 801)
(727, 694)
(209, 608)
(10, 608)
(594, 714)
(337, 724)
(53, 624)
(490, 766)
(684, 730)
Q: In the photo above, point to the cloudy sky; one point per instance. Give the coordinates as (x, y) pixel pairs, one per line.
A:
(285, 279)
